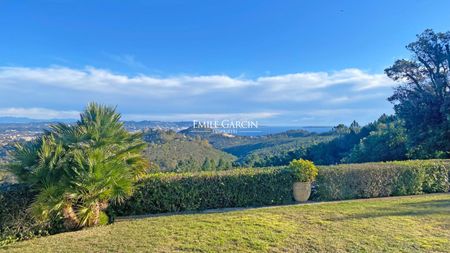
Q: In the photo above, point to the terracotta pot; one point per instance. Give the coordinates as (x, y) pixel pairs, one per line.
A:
(302, 191)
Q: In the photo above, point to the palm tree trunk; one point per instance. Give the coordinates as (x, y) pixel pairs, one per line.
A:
(96, 214)
(104, 205)
(70, 217)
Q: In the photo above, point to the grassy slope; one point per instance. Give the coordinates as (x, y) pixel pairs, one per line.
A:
(407, 224)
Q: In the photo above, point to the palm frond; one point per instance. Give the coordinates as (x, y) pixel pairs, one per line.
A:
(77, 169)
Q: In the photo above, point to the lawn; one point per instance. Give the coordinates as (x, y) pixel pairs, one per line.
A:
(403, 224)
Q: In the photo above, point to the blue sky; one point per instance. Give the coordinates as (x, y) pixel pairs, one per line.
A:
(279, 62)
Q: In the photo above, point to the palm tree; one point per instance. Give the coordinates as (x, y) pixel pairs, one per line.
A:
(78, 170)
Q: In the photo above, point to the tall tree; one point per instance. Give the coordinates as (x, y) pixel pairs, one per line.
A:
(422, 99)
(206, 164)
(385, 143)
(213, 164)
(221, 165)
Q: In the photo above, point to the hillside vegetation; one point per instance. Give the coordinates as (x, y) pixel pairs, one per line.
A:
(171, 151)
(406, 224)
(266, 150)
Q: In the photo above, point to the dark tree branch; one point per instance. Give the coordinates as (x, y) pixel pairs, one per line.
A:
(415, 81)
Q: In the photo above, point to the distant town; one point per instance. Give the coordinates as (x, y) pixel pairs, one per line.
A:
(12, 131)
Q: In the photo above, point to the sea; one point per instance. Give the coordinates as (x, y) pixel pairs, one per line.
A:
(267, 130)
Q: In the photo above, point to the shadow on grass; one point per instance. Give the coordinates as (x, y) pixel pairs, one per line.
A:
(180, 213)
(439, 203)
(402, 209)
(423, 208)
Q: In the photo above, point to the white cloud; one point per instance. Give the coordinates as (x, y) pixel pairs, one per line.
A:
(187, 97)
(315, 80)
(298, 85)
(338, 111)
(44, 113)
(202, 116)
(355, 97)
(38, 113)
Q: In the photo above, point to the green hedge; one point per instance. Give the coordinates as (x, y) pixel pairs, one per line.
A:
(368, 180)
(170, 192)
(16, 222)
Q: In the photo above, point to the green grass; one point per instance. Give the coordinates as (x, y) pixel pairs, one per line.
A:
(403, 224)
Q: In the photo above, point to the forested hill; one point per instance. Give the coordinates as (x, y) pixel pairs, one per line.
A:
(172, 151)
(382, 140)
(266, 150)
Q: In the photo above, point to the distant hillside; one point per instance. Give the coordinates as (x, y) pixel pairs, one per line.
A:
(172, 151)
(190, 148)
(150, 124)
(266, 150)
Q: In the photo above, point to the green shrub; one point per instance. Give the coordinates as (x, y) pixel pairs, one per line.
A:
(303, 170)
(368, 180)
(171, 192)
(103, 219)
(16, 222)
(437, 176)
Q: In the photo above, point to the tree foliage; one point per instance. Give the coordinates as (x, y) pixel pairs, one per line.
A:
(381, 140)
(77, 170)
(178, 152)
(422, 99)
(387, 142)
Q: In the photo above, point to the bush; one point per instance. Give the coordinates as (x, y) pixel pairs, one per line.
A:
(303, 170)
(207, 190)
(16, 222)
(103, 219)
(368, 180)
(437, 176)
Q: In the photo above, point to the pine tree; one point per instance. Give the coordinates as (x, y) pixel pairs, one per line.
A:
(213, 164)
(206, 165)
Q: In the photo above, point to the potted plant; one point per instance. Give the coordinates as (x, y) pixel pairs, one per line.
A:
(304, 172)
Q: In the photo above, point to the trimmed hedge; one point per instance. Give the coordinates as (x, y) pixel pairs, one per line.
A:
(369, 180)
(170, 192)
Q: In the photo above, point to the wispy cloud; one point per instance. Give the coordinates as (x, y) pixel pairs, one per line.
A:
(100, 80)
(299, 84)
(190, 96)
(44, 113)
(202, 116)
